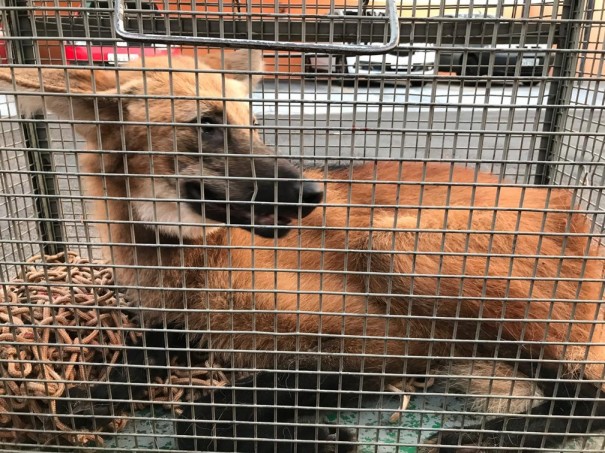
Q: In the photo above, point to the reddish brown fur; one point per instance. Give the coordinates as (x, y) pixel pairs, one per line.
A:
(443, 299)
(546, 287)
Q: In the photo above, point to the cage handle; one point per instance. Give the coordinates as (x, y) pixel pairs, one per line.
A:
(340, 48)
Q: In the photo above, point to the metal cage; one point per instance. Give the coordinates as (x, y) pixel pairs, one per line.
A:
(326, 226)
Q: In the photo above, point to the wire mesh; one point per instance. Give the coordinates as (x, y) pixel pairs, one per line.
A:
(206, 249)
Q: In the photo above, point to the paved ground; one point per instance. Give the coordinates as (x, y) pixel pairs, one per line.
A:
(437, 121)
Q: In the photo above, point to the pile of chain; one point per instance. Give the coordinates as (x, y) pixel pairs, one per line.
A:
(62, 321)
(58, 319)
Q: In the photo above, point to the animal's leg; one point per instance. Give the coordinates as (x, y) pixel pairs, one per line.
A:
(265, 413)
(577, 408)
(226, 419)
(96, 404)
(547, 427)
(437, 263)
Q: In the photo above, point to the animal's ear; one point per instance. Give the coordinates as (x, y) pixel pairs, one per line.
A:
(72, 94)
(250, 62)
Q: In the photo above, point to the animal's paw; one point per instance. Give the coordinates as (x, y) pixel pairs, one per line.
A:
(341, 440)
(88, 407)
(216, 425)
(263, 413)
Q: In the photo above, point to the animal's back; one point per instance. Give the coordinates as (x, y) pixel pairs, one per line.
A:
(479, 248)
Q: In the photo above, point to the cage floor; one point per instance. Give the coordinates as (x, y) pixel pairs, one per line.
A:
(376, 433)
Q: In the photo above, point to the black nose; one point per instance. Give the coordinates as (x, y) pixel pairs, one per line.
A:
(311, 196)
(192, 190)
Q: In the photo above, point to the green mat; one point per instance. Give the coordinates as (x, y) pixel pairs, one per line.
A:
(376, 433)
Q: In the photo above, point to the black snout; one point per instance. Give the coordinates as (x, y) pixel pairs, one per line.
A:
(277, 203)
(294, 198)
(256, 205)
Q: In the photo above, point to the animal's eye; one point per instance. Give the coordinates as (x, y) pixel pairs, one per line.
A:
(209, 125)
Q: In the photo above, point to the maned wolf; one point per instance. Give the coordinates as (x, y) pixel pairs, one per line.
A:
(324, 275)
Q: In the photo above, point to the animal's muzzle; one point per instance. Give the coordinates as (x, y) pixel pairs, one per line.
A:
(267, 208)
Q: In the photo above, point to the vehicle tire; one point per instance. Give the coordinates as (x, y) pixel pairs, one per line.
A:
(340, 68)
(472, 66)
(310, 71)
(417, 82)
(340, 71)
(530, 83)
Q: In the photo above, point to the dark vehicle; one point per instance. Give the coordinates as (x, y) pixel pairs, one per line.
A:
(498, 60)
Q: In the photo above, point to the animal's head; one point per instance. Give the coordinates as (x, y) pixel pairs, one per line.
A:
(181, 140)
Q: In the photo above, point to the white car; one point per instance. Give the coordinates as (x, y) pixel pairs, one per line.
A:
(403, 62)
(418, 59)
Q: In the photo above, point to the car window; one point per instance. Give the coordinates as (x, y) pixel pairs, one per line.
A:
(129, 5)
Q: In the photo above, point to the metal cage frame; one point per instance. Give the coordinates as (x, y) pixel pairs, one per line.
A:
(341, 126)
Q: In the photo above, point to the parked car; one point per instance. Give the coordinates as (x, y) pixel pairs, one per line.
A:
(420, 59)
(3, 54)
(112, 53)
(405, 61)
(499, 60)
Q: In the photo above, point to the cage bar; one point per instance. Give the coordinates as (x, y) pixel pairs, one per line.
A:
(350, 245)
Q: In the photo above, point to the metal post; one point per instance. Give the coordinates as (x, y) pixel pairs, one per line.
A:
(39, 156)
(565, 66)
